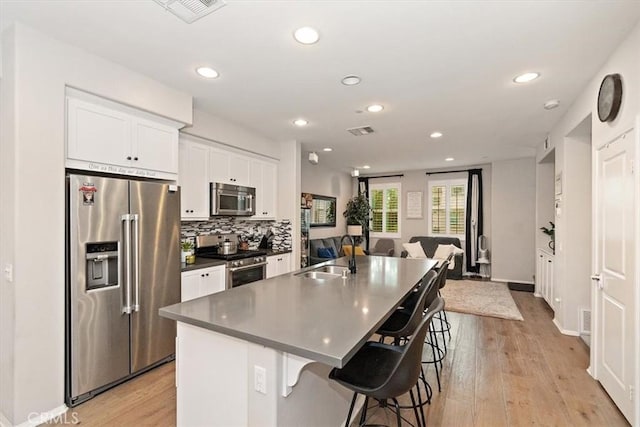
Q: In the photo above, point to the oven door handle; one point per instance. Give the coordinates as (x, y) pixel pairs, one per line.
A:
(246, 267)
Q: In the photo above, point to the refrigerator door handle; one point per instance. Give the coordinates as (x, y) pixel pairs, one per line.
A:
(136, 261)
(126, 220)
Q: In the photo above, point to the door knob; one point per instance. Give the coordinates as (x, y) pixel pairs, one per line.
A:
(599, 280)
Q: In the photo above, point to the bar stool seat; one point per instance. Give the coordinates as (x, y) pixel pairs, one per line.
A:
(384, 372)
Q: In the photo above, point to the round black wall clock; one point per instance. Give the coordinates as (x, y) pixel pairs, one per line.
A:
(609, 97)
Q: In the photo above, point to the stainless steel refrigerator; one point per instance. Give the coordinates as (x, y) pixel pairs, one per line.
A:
(123, 264)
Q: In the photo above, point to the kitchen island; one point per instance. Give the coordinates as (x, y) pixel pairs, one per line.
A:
(259, 354)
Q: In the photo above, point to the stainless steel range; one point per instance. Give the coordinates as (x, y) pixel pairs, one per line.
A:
(243, 266)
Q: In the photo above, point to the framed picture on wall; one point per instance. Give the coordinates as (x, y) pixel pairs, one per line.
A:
(414, 204)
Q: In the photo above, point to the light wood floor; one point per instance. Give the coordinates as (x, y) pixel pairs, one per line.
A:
(496, 373)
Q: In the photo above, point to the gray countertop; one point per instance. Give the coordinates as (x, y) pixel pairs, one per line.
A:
(323, 320)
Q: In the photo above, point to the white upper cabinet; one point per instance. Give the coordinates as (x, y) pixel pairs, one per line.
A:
(104, 136)
(155, 146)
(264, 176)
(194, 180)
(229, 168)
(96, 133)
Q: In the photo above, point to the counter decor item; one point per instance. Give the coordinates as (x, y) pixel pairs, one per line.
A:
(187, 251)
(551, 232)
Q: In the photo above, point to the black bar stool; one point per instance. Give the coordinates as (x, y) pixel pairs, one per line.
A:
(384, 372)
(437, 352)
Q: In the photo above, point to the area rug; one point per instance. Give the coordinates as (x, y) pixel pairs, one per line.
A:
(481, 298)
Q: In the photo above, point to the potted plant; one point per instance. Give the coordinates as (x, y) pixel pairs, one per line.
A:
(187, 247)
(551, 232)
(357, 213)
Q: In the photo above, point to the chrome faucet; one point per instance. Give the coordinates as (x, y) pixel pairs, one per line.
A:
(352, 260)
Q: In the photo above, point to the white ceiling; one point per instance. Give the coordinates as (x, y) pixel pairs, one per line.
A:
(434, 65)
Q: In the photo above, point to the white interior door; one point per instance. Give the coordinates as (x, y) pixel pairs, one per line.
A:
(615, 357)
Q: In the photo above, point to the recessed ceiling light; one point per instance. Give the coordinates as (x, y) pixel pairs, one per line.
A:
(551, 104)
(366, 167)
(300, 122)
(375, 108)
(449, 159)
(350, 80)
(327, 149)
(306, 35)
(436, 134)
(207, 72)
(526, 77)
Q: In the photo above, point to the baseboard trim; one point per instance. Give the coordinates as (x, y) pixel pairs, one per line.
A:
(523, 287)
(56, 415)
(565, 331)
(537, 295)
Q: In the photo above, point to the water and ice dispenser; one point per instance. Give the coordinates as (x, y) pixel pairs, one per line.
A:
(102, 265)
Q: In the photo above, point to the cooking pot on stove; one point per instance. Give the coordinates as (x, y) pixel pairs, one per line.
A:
(228, 247)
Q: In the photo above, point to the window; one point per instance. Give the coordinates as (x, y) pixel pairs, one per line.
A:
(385, 209)
(447, 206)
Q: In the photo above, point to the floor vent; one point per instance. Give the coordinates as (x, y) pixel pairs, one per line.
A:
(585, 321)
(364, 130)
(191, 10)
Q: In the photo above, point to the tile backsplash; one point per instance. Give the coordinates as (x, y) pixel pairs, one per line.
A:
(250, 230)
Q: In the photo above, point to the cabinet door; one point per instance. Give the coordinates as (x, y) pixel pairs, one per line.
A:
(272, 266)
(284, 261)
(190, 285)
(214, 280)
(549, 282)
(269, 189)
(155, 146)
(219, 162)
(98, 134)
(263, 176)
(194, 180)
(239, 170)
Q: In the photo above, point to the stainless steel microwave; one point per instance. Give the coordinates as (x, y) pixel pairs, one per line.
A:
(232, 199)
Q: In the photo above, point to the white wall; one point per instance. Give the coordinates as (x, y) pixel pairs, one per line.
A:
(322, 180)
(33, 209)
(513, 217)
(214, 128)
(545, 212)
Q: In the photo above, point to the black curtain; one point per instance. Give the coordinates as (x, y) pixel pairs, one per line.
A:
(363, 188)
(473, 221)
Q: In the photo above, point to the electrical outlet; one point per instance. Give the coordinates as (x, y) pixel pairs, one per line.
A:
(260, 379)
(8, 272)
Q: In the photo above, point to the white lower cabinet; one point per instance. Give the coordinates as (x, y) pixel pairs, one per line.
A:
(201, 282)
(544, 276)
(278, 264)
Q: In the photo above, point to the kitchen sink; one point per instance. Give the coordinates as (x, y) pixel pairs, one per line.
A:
(325, 272)
(319, 275)
(333, 269)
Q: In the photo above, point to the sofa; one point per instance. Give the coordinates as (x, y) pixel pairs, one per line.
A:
(430, 244)
(326, 242)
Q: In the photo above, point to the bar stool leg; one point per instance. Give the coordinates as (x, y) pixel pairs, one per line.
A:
(398, 417)
(415, 410)
(353, 402)
(363, 415)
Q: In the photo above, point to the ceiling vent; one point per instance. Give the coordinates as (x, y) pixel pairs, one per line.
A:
(364, 130)
(191, 10)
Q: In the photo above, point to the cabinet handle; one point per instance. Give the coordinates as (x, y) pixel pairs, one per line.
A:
(202, 275)
(128, 157)
(135, 158)
(207, 274)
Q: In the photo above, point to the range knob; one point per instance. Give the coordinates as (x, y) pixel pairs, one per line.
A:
(235, 263)
(259, 259)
